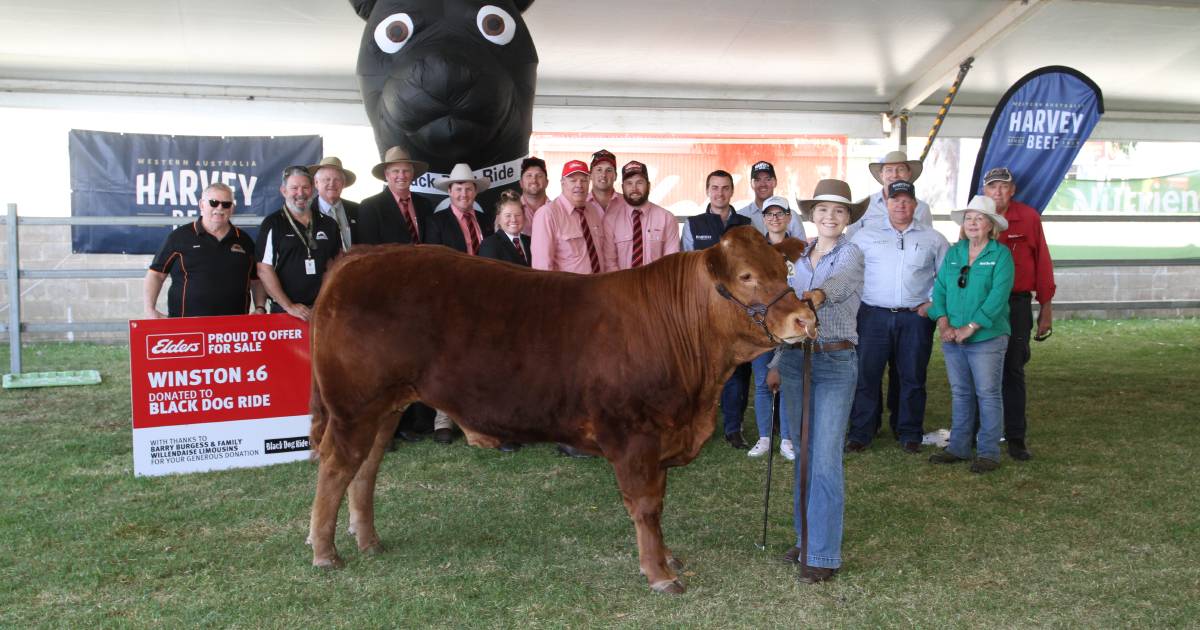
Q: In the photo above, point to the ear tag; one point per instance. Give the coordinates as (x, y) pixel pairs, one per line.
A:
(791, 269)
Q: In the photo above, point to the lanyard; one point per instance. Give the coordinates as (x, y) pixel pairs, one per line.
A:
(309, 243)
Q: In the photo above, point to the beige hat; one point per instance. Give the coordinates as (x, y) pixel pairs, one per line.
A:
(398, 154)
(896, 157)
(983, 205)
(462, 173)
(834, 190)
(333, 163)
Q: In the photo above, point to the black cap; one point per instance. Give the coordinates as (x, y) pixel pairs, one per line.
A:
(762, 166)
(998, 174)
(901, 188)
(634, 168)
(531, 162)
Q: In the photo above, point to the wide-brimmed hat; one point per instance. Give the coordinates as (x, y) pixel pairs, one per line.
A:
(983, 205)
(398, 154)
(896, 157)
(834, 190)
(462, 173)
(333, 162)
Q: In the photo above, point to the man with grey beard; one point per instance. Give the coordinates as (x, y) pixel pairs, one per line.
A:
(295, 246)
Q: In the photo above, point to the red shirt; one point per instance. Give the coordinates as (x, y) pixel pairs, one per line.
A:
(1025, 239)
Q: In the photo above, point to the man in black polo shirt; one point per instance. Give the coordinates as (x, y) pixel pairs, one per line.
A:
(211, 264)
(295, 245)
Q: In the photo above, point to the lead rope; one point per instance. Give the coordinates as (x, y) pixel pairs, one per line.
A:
(805, 422)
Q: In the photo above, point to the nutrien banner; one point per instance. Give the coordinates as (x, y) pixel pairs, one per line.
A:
(145, 175)
(1038, 128)
(211, 393)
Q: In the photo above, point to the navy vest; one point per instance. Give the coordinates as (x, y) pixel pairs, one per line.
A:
(707, 228)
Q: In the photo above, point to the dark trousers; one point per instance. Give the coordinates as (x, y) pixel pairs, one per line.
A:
(734, 398)
(1020, 314)
(906, 339)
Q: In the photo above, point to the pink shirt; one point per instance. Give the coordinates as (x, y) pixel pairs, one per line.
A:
(612, 203)
(530, 211)
(462, 225)
(557, 242)
(660, 234)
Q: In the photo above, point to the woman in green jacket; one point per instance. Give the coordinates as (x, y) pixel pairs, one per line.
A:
(970, 306)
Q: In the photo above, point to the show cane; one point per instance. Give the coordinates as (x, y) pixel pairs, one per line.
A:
(762, 546)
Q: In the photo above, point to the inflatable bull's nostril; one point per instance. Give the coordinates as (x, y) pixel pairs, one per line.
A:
(450, 82)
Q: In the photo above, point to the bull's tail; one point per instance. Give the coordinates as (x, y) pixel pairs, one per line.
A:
(320, 419)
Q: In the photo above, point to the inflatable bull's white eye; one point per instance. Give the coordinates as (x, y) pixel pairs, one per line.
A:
(496, 25)
(393, 32)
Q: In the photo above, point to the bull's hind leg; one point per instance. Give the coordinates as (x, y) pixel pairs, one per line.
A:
(643, 482)
(339, 464)
(362, 488)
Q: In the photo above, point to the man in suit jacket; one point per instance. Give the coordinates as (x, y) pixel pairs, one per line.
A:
(463, 227)
(329, 178)
(509, 243)
(395, 215)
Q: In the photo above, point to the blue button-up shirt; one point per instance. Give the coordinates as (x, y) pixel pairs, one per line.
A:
(900, 266)
(839, 274)
(755, 214)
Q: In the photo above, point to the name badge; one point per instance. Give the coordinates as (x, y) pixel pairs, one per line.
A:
(310, 266)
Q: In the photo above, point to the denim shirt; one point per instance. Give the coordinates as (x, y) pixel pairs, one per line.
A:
(984, 299)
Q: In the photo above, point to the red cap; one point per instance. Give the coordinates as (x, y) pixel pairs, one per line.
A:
(575, 166)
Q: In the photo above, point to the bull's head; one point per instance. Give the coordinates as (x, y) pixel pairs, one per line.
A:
(752, 276)
(449, 80)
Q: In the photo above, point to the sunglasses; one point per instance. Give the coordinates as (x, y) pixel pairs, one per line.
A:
(962, 276)
(775, 215)
(213, 203)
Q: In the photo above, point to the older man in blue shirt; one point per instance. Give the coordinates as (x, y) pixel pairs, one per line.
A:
(901, 257)
(893, 167)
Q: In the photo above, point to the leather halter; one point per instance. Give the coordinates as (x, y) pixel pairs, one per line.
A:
(757, 311)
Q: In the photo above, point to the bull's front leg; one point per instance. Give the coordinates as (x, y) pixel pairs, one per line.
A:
(643, 482)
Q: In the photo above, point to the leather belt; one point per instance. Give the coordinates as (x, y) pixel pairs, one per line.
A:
(831, 346)
(902, 309)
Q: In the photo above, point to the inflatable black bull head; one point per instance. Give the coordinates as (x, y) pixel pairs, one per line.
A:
(450, 81)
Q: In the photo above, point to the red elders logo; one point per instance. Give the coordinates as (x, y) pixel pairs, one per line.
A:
(175, 346)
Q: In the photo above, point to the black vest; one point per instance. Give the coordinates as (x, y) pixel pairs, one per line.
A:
(707, 228)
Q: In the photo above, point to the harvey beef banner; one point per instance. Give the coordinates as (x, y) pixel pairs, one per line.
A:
(211, 393)
(1037, 130)
(144, 175)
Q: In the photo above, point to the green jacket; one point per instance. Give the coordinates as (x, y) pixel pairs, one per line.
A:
(985, 298)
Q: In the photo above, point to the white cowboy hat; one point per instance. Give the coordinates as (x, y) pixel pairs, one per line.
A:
(896, 157)
(834, 190)
(462, 173)
(333, 162)
(982, 205)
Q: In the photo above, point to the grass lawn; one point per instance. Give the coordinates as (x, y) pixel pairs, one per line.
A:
(1101, 529)
(1115, 252)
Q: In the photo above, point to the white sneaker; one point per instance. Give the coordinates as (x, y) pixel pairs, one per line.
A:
(785, 449)
(760, 447)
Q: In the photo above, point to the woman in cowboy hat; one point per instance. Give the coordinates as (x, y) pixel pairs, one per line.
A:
(832, 266)
(970, 306)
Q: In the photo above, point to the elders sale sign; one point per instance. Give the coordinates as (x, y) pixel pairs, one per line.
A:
(211, 393)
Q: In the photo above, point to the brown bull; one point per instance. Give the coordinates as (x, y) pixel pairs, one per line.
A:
(626, 365)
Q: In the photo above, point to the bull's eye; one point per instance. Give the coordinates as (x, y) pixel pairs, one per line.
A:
(745, 277)
(496, 25)
(393, 32)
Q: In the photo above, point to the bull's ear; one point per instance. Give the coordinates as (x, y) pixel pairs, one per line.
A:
(522, 5)
(791, 248)
(714, 262)
(363, 7)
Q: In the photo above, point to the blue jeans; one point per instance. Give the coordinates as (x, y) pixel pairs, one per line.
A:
(734, 398)
(834, 375)
(906, 340)
(976, 372)
(763, 399)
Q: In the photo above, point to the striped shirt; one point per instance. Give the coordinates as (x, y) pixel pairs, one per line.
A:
(840, 275)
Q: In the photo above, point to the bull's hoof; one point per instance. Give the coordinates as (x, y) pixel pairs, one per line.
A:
(670, 587)
(335, 562)
(675, 563)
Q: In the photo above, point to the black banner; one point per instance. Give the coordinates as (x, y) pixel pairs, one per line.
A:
(144, 175)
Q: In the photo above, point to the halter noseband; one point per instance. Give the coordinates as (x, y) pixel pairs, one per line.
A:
(757, 311)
